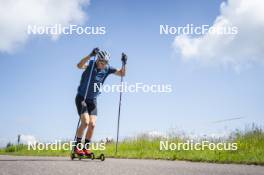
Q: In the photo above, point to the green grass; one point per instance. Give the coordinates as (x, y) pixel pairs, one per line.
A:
(250, 150)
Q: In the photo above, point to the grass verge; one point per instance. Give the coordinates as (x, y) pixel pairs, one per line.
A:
(250, 150)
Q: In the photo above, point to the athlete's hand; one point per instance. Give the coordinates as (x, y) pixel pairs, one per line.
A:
(124, 59)
(83, 104)
(94, 52)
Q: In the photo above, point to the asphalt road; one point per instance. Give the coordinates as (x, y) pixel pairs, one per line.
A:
(22, 165)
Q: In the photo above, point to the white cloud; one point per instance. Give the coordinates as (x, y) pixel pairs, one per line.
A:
(16, 15)
(244, 49)
(27, 139)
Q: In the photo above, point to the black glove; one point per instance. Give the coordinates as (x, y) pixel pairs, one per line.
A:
(124, 59)
(94, 52)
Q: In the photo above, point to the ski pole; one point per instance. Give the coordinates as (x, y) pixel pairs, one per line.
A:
(123, 59)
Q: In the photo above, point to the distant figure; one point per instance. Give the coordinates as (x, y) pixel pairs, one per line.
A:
(18, 139)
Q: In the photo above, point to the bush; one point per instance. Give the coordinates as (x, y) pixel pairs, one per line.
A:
(10, 148)
(9, 144)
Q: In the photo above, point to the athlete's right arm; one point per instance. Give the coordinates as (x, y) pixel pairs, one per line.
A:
(82, 64)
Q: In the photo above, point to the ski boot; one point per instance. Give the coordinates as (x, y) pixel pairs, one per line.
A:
(88, 153)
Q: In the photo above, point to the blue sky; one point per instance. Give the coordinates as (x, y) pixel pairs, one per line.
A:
(40, 78)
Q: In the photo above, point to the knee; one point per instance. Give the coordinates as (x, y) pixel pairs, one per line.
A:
(91, 124)
(85, 124)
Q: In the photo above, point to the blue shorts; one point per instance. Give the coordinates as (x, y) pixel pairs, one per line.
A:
(90, 108)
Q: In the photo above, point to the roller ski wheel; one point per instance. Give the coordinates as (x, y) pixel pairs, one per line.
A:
(102, 157)
(92, 156)
(72, 156)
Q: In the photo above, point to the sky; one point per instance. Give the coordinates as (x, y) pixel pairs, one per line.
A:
(213, 78)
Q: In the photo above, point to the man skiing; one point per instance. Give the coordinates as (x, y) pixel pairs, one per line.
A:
(94, 73)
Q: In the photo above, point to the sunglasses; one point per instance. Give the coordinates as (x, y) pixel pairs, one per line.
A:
(102, 62)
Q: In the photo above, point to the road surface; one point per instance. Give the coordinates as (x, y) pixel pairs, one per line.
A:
(22, 165)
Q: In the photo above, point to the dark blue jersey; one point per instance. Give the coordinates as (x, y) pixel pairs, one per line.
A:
(97, 78)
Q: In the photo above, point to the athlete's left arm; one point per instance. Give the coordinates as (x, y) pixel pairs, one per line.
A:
(121, 72)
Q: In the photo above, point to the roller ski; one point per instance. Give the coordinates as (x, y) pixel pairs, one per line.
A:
(85, 154)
